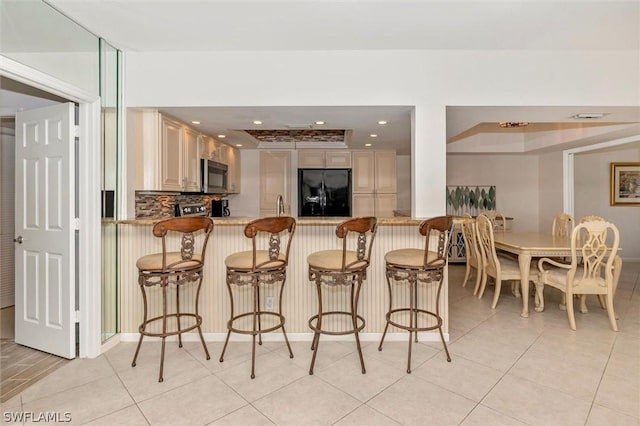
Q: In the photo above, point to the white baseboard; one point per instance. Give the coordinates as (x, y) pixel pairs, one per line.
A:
(111, 342)
(293, 337)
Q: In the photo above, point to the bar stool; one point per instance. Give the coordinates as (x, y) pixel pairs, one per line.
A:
(414, 266)
(344, 267)
(173, 268)
(260, 269)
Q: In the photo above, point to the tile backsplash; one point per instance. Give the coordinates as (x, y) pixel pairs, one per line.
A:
(162, 204)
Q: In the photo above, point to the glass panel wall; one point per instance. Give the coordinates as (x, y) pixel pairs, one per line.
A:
(35, 34)
(110, 132)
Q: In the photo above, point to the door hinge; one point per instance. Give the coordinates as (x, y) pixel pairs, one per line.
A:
(76, 131)
(77, 318)
(76, 223)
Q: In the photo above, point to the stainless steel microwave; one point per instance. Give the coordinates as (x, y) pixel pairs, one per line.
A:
(213, 177)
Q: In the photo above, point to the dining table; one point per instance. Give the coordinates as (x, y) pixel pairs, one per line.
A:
(529, 245)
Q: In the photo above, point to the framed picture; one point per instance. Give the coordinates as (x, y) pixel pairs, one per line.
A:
(625, 184)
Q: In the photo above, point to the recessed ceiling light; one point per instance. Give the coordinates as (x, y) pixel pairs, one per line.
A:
(382, 122)
(589, 115)
(367, 144)
(510, 124)
(222, 136)
(320, 122)
(195, 122)
(257, 122)
(373, 135)
(238, 145)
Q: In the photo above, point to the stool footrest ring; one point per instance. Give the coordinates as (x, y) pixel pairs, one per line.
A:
(258, 314)
(197, 324)
(361, 324)
(413, 311)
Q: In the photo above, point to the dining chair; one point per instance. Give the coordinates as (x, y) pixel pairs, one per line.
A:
(498, 267)
(498, 220)
(472, 252)
(562, 225)
(595, 275)
(590, 217)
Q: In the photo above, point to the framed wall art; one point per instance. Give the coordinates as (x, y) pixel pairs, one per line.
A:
(624, 180)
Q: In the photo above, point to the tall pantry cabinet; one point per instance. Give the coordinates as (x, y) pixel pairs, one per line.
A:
(374, 184)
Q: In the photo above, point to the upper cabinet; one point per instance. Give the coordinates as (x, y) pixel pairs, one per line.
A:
(319, 159)
(231, 157)
(169, 152)
(180, 170)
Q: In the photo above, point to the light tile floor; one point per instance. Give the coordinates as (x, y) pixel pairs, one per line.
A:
(506, 370)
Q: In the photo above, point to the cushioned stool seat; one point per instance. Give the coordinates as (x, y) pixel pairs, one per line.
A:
(153, 262)
(244, 260)
(412, 258)
(331, 260)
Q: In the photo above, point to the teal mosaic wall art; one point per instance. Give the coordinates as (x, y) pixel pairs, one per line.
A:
(470, 199)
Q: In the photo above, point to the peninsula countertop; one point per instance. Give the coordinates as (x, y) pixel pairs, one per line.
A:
(301, 221)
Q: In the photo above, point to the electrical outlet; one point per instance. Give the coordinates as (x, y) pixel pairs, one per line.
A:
(268, 303)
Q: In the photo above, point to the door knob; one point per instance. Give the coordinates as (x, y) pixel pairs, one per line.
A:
(18, 239)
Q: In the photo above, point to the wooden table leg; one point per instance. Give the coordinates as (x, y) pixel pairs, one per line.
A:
(524, 260)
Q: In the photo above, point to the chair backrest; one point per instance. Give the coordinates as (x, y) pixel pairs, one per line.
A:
(470, 234)
(594, 245)
(362, 228)
(590, 217)
(487, 244)
(498, 221)
(188, 227)
(562, 225)
(267, 234)
(439, 227)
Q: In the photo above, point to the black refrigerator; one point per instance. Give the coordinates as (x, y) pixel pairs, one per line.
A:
(324, 192)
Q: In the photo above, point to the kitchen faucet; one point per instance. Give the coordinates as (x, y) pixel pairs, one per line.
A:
(279, 205)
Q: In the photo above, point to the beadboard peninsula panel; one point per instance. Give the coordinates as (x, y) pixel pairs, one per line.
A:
(300, 296)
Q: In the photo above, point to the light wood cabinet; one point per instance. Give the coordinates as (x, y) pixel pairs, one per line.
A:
(319, 159)
(374, 183)
(180, 169)
(231, 157)
(172, 155)
(385, 204)
(385, 172)
(275, 179)
(191, 161)
(209, 148)
(363, 205)
(168, 156)
(363, 175)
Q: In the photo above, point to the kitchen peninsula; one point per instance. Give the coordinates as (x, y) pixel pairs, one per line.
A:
(299, 301)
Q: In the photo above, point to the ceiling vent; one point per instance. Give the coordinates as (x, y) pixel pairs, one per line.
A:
(589, 115)
(298, 126)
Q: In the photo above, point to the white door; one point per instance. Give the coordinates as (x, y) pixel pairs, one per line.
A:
(44, 234)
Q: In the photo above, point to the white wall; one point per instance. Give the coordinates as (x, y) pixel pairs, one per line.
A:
(550, 185)
(428, 80)
(591, 183)
(515, 178)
